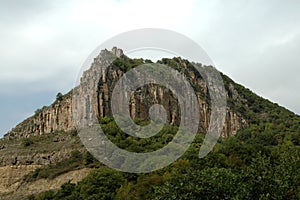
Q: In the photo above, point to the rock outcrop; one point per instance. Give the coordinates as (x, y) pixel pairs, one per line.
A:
(56, 117)
(59, 115)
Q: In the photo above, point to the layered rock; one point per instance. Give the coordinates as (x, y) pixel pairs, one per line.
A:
(56, 117)
(93, 97)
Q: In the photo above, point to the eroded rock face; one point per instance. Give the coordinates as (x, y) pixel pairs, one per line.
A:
(59, 116)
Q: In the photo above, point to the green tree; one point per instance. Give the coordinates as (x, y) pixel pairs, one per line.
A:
(87, 158)
(27, 142)
(210, 183)
(99, 184)
(59, 96)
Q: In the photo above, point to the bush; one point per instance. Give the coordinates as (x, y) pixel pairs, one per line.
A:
(27, 142)
(87, 158)
(211, 183)
(296, 139)
(37, 111)
(59, 96)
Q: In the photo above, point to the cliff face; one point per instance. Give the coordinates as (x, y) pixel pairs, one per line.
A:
(143, 98)
(56, 117)
(59, 116)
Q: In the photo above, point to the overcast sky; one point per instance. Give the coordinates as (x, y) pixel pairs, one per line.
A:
(44, 43)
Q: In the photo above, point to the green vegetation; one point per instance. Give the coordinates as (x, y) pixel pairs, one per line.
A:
(244, 166)
(27, 142)
(125, 63)
(59, 96)
(37, 111)
(99, 184)
(134, 144)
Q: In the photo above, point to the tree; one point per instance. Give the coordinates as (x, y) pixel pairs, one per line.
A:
(37, 111)
(27, 142)
(99, 184)
(211, 183)
(59, 96)
(87, 158)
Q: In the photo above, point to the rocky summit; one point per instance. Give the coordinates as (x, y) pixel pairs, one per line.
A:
(59, 116)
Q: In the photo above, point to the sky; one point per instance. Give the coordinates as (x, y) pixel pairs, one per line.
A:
(43, 44)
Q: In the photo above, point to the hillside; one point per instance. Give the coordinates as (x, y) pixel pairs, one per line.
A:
(257, 156)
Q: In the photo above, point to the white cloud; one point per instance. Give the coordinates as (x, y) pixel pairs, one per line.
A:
(132, 14)
(44, 43)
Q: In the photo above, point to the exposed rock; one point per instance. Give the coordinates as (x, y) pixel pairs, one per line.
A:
(59, 116)
(117, 52)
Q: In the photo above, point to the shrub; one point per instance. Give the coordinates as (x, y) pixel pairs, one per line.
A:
(59, 96)
(37, 111)
(27, 142)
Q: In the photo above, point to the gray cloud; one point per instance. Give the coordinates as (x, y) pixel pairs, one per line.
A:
(44, 43)
(257, 44)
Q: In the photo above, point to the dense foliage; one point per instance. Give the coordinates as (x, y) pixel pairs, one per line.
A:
(244, 166)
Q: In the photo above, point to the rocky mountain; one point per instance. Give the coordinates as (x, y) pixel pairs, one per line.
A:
(46, 145)
(59, 116)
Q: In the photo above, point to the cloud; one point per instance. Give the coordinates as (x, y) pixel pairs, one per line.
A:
(256, 43)
(44, 43)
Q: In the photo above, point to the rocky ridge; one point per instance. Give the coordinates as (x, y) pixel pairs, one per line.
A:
(59, 115)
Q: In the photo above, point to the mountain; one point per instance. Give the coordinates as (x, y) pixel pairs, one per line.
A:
(58, 116)
(258, 137)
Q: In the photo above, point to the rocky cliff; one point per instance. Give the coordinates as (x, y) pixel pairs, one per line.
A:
(56, 117)
(59, 115)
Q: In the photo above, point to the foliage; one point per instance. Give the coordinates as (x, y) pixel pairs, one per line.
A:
(37, 111)
(59, 96)
(99, 184)
(245, 166)
(26, 142)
